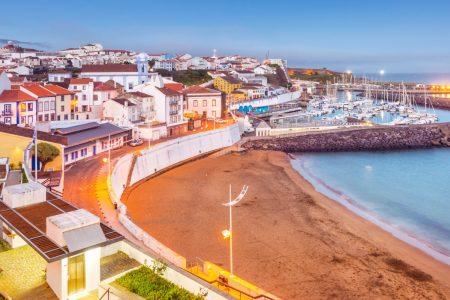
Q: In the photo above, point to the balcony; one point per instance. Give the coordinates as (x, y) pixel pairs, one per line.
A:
(7, 113)
(173, 112)
(173, 102)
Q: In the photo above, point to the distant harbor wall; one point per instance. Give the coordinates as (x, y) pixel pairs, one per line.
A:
(375, 138)
(419, 98)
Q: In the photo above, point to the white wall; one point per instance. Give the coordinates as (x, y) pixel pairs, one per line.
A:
(57, 277)
(157, 158)
(171, 152)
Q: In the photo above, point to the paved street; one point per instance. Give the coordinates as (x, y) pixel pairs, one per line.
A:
(85, 183)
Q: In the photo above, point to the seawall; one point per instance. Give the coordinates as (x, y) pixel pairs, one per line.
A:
(375, 138)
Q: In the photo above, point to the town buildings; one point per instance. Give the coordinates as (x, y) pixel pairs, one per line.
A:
(128, 75)
(204, 102)
(227, 84)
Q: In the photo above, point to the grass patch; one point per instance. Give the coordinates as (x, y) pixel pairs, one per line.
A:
(148, 284)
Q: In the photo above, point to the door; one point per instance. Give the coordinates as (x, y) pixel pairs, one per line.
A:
(76, 282)
(94, 149)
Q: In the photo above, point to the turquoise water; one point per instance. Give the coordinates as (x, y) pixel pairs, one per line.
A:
(405, 192)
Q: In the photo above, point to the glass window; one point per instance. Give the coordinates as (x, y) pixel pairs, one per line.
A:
(214, 102)
(45, 106)
(195, 103)
(30, 106)
(205, 103)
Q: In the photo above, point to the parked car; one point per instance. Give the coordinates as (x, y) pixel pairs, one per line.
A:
(136, 142)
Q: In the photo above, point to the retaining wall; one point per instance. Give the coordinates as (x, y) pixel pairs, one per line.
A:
(159, 157)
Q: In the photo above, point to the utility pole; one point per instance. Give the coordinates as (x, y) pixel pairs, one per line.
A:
(229, 233)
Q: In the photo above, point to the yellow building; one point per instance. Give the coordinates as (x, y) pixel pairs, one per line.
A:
(227, 84)
(14, 140)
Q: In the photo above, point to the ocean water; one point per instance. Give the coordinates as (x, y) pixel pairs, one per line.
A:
(405, 192)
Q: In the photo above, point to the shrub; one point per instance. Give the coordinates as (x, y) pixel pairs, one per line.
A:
(146, 283)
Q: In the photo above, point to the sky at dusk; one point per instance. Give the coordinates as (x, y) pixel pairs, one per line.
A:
(362, 36)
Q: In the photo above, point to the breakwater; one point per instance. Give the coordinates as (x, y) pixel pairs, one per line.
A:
(376, 138)
(419, 98)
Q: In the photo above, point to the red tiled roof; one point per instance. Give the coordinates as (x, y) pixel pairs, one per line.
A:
(80, 80)
(178, 87)
(58, 90)
(139, 94)
(168, 92)
(14, 96)
(101, 86)
(108, 68)
(196, 89)
(38, 90)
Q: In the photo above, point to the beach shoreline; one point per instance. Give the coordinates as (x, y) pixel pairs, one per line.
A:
(302, 244)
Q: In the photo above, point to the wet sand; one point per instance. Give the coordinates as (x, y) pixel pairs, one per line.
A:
(289, 239)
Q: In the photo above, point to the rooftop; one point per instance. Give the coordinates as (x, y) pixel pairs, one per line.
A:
(196, 89)
(58, 90)
(122, 101)
(80, 80)
(38, 90)
(29, 222)
(139, 94)
(88, 132)
(15, 95)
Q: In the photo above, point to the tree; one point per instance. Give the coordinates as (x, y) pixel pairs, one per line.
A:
(46, 153)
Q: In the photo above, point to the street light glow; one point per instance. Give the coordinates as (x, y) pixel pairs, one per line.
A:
(105, 160)
(382, 72)
(226, 233)
(349, 72)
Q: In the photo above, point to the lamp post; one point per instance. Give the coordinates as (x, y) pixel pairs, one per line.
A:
(228, 233)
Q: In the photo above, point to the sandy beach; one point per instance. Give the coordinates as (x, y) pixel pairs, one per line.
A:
(288, 239)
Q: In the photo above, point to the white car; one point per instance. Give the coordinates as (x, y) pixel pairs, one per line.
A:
(136, 142)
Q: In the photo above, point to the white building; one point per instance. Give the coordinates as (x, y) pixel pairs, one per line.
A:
(168, 105)
(121, 112)
(59, 75)
(128, 75)
(203, 101)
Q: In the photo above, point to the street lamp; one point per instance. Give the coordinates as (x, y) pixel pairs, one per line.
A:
(228, 233)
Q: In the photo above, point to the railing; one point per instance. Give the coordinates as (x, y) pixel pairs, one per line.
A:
(173, 112)
(173, 102)
(105, 294)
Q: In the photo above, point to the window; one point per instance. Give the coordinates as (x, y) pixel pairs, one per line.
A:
(214, 102)
(30, 106)
(130, 86)
(52, 105)
(62, 107)
(22, 120)
(83, 152)
(195, 103)
(8, 120)
(84, 97)
(214, 113)
(95, 97)
(62, 98)
(84, 87)
(74, 155)
(75, 87)
(46, 118)
(205, 103)
(40, 118)
(23, 107)
(66, 157)
(45, 106)
(104, 145)
(66, 117)
(7, 108)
